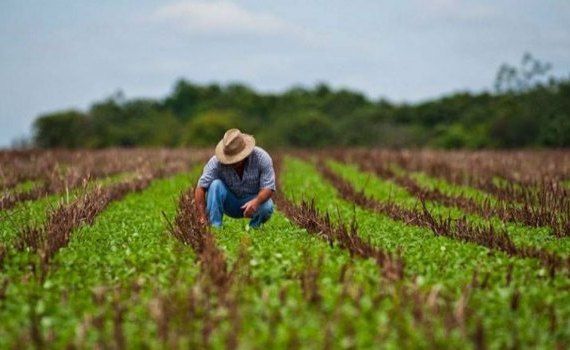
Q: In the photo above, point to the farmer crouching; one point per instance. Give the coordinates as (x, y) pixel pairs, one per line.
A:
(238, 181)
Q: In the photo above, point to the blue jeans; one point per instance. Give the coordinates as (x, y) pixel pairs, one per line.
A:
(222, 201)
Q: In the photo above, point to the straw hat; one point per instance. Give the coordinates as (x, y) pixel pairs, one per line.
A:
(235, 146)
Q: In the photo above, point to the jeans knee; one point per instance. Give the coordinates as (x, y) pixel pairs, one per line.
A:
(266, 209)
(216, 191)
(262, 215)
(217, 185)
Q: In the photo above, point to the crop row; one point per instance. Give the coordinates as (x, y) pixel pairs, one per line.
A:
(35, 247)
(80, 272)
(59, 171)
(190, 231)
(480, 168)
(284, 287)
(550, 211)
(306, 216)
(509, 282)
(395, 297)
(546, 206)
(45, 241)
(54, 234)
(459, 229)
(426, 306)
(453, 312)
(305, 280)
(532, 177)
(34, 165)
(523, 235)
(19, 166)
(215, 277)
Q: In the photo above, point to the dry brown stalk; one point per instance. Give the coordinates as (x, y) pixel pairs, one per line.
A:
(546, 207)
(60, 171)
(189, 230)
(459, 229)
(216, 278)
(307, 216)
(46, 240)
(56, 233)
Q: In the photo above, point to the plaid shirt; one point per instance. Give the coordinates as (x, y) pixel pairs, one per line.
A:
(258, 173)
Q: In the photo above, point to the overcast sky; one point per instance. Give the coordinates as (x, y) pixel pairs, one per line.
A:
(67, 54)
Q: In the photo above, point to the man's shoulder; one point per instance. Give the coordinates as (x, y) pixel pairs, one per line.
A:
(261, 154)
(213, 162)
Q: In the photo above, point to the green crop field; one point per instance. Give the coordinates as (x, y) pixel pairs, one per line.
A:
(367, 249)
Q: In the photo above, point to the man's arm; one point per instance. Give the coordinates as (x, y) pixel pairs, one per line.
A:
(267, 184)
(251, 207)
(200, 200)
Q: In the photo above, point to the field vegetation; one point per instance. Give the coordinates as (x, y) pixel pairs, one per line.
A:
(367, 249)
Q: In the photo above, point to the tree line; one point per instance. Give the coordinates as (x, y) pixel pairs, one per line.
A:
(527, 108)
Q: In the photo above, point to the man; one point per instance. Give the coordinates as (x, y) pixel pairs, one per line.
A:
(238, 181)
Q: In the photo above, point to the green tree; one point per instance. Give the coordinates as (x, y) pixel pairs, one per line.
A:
(527, 109)
(62, 129)
(207, 128)
(306, 129)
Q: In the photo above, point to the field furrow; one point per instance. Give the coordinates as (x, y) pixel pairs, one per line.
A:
(308, 296)
(377, 188)
(356, 255)
(461, 229)
(112, 254)
(62, 171)
(545, 208)
(264, 294)
(440, 260)
(34, 213)
(216, 279)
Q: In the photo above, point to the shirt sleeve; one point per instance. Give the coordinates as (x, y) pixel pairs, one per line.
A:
(210, 173)
(267, 178)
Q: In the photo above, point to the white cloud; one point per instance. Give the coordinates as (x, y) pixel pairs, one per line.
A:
(222, 18)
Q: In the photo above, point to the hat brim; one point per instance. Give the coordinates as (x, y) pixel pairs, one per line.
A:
(225, 159)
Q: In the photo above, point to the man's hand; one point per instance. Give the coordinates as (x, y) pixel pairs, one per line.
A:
(200, 200)
(202, 219)
(250, 207)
